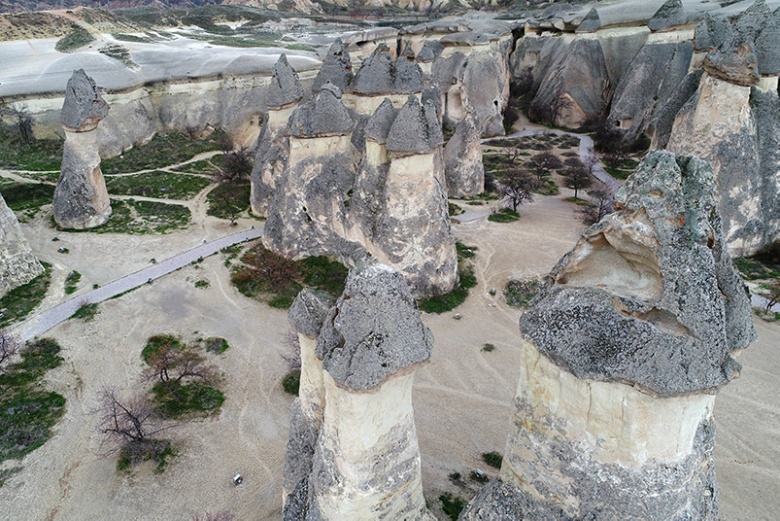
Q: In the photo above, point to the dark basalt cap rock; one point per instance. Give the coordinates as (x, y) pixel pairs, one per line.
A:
(83, 108)
(374, 331)
(752, 20)
(285, 88)
(768, 46)
(431, 50)
(432, 93)
(670, 14)
(336, 68)
(309, 310)
(381, 75)
(711, 32)
(649, 296)
(325, 115)
(379, 123)
(591, 22)
(735, 61)
(416, 129)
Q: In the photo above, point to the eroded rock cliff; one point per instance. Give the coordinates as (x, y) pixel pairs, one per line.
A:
(18, 264)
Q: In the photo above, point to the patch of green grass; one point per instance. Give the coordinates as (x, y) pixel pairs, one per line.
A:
(221, 205)
(19, 302)
(504, 215)
(87, 312)
(577, 201)
(204, 166)
(160, 184)
(28, 412)
(493, 459)
(267, 276)
(143, 217)
(131, 38)
(157, 342)
(618, 173)
(456, 297)
(38, 177)
(216, 345)
(162, 150)
(291, 382)
(454, 209)
(71, 282)
(40, 154)
(202, 283)
(548, 187)
(489, 348)
(519, 293)
(78, 37)
(23, 197)
(753, 269)
(175, 399)
(159, 451)
(452, 506)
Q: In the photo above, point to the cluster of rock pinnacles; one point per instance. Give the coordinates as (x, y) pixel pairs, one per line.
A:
(640, 318)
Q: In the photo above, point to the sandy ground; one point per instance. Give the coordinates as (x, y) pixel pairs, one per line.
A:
(462, 398)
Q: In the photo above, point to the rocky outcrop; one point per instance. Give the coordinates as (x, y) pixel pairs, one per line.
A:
(336, 68)
(18, 264)
(81, 199)
(386, 199)
(463, 167)
(284, 94)
(670, 14)
(604, 425)
(352, 451)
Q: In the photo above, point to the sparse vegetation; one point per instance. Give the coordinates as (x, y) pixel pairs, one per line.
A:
(163, 149)
(271, 278)
(504, 215)
(28, 411)
(493, 459)
(202, 283)
(231, 197)
(71, 282)
(489, 348)
(160, 184)
(291, 382)
(519, 293)
(456, 297)
(143, 217)
(452, 506)
(19, 302)
(27, 198)
(78, 37)
(87, 312)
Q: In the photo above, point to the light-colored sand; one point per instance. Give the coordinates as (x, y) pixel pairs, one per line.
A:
(462, 398)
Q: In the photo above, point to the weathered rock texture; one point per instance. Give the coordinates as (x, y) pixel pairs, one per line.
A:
(352, 451)
(463, 166)
(81, 199)
(624, 350)
(18, 264)
(386, 198)
(336, 68)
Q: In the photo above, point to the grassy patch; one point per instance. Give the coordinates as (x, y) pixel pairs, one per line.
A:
(204, 167)
(71, 282)
(618, 173)
(27, 198)
(504, 215)
(221, 205)
(158, 342)
(143, 217)
(177, 399)
(164, 185)
(162, 150)
(78, 37)
(291, 382)
(87, 312)
(454, 209)
(40, 154)
(519, 293)
(19, 302)
(269, 277)
(28, 412)
(489, 348)
(202, 283)
(452, 506)
(159, 451)
(493, 459)
(216, 345)
(754, 269)
(456, 297)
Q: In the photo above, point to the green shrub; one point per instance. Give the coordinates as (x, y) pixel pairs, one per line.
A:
(466, 280)
(493, 459)
(87, 312)
(216, 345)
(452, 506)
(71, 282)
(291, 382)
(157, 343)
(489, 348)
(504, 215)
(19, 302)
(174, 399)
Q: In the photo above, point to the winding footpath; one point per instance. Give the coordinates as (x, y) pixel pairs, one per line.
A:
(41, 322)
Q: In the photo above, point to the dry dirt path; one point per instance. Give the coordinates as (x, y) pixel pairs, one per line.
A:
(47, 319)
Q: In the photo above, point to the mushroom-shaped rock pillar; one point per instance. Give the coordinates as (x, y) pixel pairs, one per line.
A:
(366, 461)
(81, 199)
(623, 353)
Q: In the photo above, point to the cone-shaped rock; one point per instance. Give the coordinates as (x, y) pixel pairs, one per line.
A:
(18, 264)
(416, 130)
(285, 87)
(325, 115)
(668, 15)
(336, 68)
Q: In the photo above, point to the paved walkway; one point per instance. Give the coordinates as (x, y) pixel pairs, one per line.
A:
(41, 322)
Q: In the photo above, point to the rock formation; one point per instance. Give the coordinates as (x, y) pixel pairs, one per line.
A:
(336, 68)
(668, 15)
(284, 93)
(18, 264)
(386, 198)
(623, 352)
(463, 168)
(81, 199)
(352, 451)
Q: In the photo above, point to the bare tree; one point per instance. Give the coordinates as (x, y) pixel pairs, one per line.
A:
(518, 186)
(9, 347)
(773, 297)
(172, 362)
(577, 177)
(129, 427)
(600, 206)
(233, 177)
(543, 164)
(21, 118)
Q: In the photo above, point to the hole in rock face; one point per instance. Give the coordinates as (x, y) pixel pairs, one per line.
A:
(618, 263)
